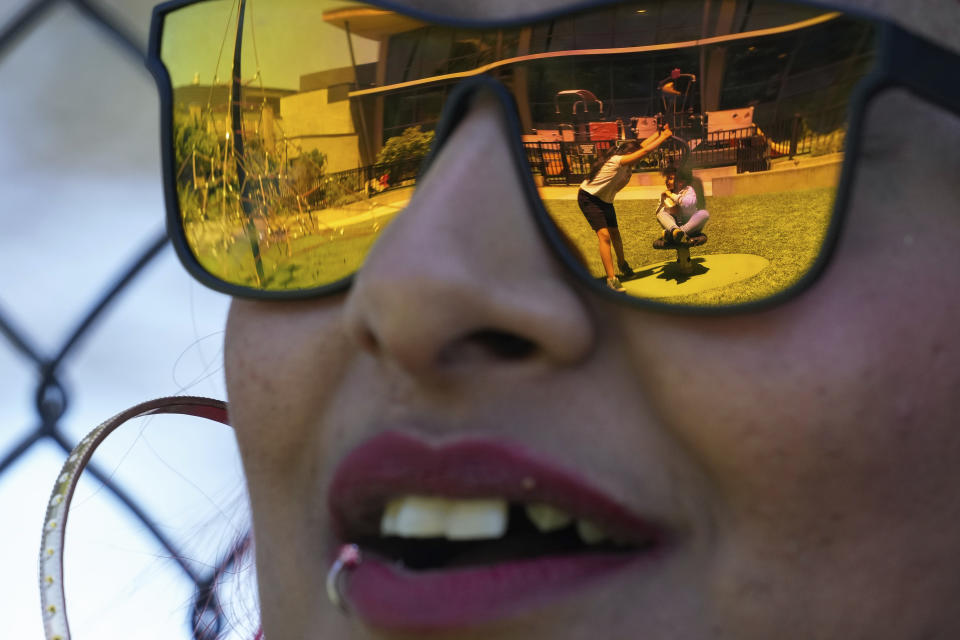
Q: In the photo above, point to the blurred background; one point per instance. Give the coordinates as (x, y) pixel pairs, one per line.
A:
(81, 205)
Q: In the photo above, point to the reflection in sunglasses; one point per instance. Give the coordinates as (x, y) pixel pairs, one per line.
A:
(299, 129)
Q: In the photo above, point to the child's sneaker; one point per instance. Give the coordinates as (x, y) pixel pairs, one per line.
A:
(678, 236)
(614, 283)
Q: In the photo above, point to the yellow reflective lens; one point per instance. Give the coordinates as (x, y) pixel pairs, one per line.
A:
(279, 183)
(300, 125)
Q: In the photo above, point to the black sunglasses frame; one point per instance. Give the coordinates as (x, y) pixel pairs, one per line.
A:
(903, 60)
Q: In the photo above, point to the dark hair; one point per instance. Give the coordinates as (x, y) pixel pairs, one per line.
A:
(685, 174)
(618, 149)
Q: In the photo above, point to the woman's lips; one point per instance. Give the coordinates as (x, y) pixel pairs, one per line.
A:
(387, 595)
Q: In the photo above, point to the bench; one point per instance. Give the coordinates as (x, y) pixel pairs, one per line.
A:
(684, 264)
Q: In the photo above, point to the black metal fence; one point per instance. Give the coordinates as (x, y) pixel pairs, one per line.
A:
(748, 149)
(342, 187)
(815, 134)
(564, 163)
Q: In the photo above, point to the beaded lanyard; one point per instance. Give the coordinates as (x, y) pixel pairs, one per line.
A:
(52, 596)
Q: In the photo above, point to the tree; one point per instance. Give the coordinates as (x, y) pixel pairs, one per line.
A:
(409, 145)
(306, 170)
(196, 148)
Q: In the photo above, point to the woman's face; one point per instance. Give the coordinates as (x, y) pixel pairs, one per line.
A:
(793, 473)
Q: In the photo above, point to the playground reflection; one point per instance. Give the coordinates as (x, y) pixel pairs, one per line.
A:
(299, 137)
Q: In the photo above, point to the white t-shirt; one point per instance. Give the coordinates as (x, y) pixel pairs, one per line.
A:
(612, 177)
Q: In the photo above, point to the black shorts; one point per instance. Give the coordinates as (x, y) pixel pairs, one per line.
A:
(599, 214)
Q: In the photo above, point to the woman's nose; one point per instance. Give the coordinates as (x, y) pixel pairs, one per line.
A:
(462, 279)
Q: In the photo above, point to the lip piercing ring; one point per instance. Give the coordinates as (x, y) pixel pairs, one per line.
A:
(347, 558)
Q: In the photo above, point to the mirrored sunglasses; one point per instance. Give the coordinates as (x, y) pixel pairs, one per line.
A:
(707, 141)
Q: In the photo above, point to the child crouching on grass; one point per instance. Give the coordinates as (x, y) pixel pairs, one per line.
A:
(682, 212)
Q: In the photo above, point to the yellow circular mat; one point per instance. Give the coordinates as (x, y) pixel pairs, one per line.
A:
(663, 279)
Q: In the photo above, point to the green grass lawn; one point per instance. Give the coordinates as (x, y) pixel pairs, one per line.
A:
(785, 228)
(324, 246)
(297, 249)
(294, 261)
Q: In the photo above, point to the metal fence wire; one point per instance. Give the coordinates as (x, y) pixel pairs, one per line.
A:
(51, 397)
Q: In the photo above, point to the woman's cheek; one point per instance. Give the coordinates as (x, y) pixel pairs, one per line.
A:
(283, 362)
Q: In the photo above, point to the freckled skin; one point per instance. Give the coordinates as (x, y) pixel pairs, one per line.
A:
(808, 454)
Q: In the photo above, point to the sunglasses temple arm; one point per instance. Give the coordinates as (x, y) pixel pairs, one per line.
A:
(921, 66)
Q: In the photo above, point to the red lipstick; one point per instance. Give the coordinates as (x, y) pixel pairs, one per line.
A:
(388, 595)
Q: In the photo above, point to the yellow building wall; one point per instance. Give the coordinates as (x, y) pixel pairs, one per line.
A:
(310, 122)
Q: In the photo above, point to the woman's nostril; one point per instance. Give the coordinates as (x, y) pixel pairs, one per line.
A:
(488, 345)
(363, 336)
(503, 345)
(369, 341)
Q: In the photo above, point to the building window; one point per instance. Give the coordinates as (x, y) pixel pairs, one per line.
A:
(420, 107)
(435, 51)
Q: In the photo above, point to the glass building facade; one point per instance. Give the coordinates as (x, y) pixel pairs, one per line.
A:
(602, 52)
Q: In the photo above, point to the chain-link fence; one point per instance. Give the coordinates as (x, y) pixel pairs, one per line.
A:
(95, 315)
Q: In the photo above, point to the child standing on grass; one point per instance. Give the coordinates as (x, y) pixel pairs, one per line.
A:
(682, 212)
(608, 175)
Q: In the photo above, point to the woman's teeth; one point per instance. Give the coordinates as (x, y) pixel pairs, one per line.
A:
(547, 518)
(473, 519)
(589, 532)
(431, 517)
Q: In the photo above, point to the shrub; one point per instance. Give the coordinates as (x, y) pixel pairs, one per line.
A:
(828, 143)
(412, 143)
